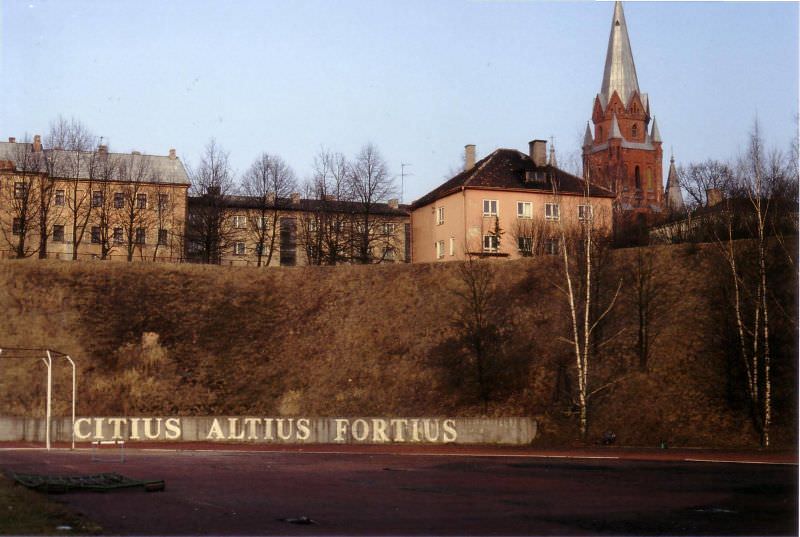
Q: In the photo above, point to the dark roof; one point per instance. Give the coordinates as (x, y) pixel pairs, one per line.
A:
(305, 205)
(507, 168)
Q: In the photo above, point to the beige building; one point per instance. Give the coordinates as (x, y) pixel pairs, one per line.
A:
(62, 204)
(509, 204)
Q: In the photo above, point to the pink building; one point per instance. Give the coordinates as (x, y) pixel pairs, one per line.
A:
(508, 204)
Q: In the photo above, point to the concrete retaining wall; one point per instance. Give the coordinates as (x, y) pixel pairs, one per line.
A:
(516, 431)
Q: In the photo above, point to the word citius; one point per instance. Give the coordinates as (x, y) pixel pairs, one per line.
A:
(247, 429)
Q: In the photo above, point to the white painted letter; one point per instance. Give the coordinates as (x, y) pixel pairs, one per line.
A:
(268, 429)
(134, 429)
(77, 426)
(449, 431)
(341, 429)
(303, 429)
(398, 426)
(98, 429)
(285, 435)
(379, 431)
(148, 433)
(232, 434)
(117, 422)
(252, 424)
(364, 426)
(173, 427)
(215, 433)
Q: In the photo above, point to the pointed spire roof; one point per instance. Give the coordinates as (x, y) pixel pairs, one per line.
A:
(587, 138)
(673, 190)
(620, 72)
(655, 136)
(552, 160)
(615, 132)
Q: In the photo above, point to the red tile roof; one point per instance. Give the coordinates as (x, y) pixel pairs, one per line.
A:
(507, 168)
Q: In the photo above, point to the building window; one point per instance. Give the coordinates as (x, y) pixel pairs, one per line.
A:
(95, 235)
(260, 250)
(649, 178)
(525, 245)
(439, 216)
(489, 207)
(452, 246)
(439, 249)
(20, 190)
(634, 131)
(388, 253)
(162, 237)
(238, 248)
(16, 226)
(262, 224)
(637, 178)
(584, 212)
(119, 200)
(60, 198)
(118, 235)
(551, 211)
(599, 134)
(163, 201)
(551, 246)
(58, 233)
(140, 235)
(141, 201)
(491, 243)
(388, 229)
(239, 221)
(97, 198)
(524, 209)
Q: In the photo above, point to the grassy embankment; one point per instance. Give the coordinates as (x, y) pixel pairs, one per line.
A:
(380, 340)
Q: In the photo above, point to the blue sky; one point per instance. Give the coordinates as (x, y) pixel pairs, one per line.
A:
(419, 79)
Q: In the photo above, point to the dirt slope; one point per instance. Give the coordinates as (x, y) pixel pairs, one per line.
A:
(381, 340)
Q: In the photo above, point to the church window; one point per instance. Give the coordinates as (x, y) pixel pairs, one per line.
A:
(599, 133)
(638, 178)
(649, 178)
(634, 130)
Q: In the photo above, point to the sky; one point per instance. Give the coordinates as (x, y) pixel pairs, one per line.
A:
(418, 79)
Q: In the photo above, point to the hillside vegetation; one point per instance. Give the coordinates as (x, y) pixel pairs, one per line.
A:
(381, 340)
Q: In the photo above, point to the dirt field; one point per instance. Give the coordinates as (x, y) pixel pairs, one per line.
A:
(447, 492)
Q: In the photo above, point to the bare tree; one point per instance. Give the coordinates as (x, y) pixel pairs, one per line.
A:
(750, 288)
(21, 198)
(648, 298)
(105, 215)
(698, 179)
(76, 165)
(134, 217)
(268, 182)
(579, 249)
(370, 184)
(328, 228)
(476, 319)
(208, 232)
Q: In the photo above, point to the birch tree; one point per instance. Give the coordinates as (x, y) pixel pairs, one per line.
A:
(579, 247)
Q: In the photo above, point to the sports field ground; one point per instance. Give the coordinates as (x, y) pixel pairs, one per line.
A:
(389, 491)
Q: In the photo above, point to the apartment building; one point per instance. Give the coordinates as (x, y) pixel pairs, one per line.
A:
(509, 204)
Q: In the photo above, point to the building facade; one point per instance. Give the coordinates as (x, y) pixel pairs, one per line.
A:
(622, 151)
(61, 204)
(288, 232)
(509, 204)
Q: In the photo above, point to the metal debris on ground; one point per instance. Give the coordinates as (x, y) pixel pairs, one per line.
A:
(96, 482)
(303, 520)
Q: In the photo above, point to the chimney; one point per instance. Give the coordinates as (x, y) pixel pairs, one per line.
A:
(295, 198)
(37, 143)
(394, 203)
(469, 157)
(172, 154)
(102, 149)
(12, 140)
(136, 152)
(213, 190)
(713, 196)
(538, 152)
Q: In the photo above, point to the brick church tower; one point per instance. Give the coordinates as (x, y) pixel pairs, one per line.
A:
(623, 152)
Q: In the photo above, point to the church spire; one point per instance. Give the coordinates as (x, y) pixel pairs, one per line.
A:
(673, 190)
(620, 72)
(614, 128)
(587, 137)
